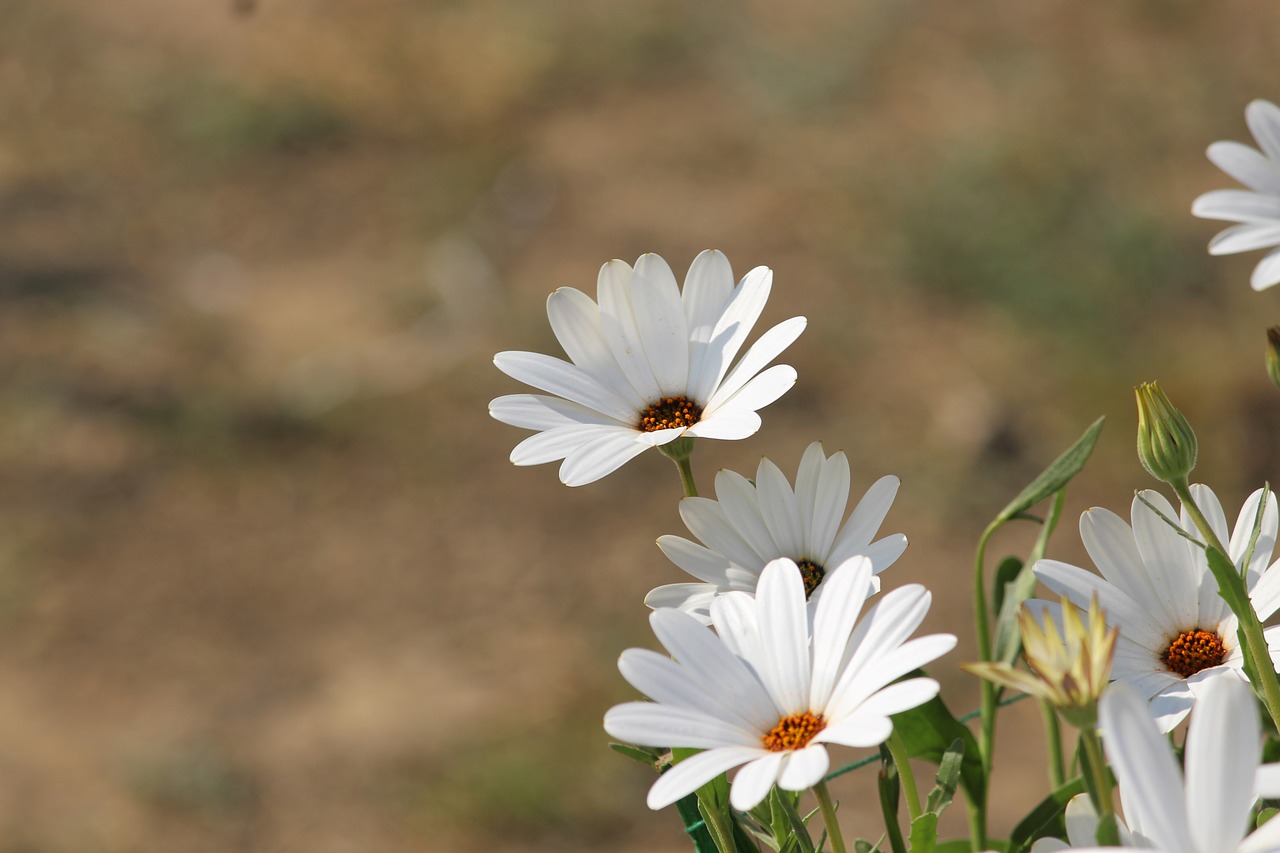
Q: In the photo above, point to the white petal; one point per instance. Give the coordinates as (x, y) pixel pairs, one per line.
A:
(844, 591)
(1245, 238)
(701, 562)
(705, 519)
(1263, 119)
(751, 784)
(659, 437)
(740, 503)
(1148, 775)
(1121, 610)
(894, 664)
(733, 327)
(1166, 573)
(1222, 755)
(706, 658)
(664, 681)
(899, 697)
(660, 319)
(734, 615)
(804, 768)
(761, 390)
(622, 332)
(601, 454)
(830, 499)
(1246, 165)
(1243, 532)
(707, 288)
(727, 425)
(559, 377)
(884, 552)
(556, 443)
(780, 510)
(536, 411)
(859, 730)
(1171, 705)
(689, 775)
(884, 627)
(784, 628)
(760, 355)
(1266, 593)
(651, 724)
(1237, 206)
(1266, 839)
(1267, 272)
(575, 320)
(1082, 821)
(1267, 782)
(692, 598)
(865, 520)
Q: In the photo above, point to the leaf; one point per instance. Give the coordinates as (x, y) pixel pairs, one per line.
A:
(787, 821)
(930, 729)
(1057, 475)
(924, 833)
(1266, 815)
(1008, 637)
(636, 753)
(944, 788)
(1230, 585)
(1005, 573)
(1046, 819)
(706, 814)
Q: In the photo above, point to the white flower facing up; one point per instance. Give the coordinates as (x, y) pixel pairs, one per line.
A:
(1176, 631)
(1208, 811)
(1257, 209)
(774, 689)
(648, 363)
(749, 525)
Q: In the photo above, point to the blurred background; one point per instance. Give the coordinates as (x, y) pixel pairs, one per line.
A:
(267, 579)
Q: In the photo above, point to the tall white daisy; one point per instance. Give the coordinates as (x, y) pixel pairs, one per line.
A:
(770, 692)
(1208, 812)
(648, 363)
(1176, 631)
(749, 525)
(1257, 209)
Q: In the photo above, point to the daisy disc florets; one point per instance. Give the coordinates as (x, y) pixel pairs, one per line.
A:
(774, 689)
(648, 363)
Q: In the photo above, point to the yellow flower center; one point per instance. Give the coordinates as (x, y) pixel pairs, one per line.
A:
(1194, 650)
(812, 574)
(670, 412)
(794, 731)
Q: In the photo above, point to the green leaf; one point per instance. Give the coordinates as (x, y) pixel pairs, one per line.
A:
(1266, 815)
(1008, 638)
(1108, 832)
(930, 729)
(924, 833)
(1230, 585)
(1005, 573)
(1046, 819)
(787, 821)
(944, 788)
(636, 753)
(862, 845)
(708, 806)
(1057, 475)
(890, 791)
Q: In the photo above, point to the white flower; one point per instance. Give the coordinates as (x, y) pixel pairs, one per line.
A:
(771, 691)
(648, 364)
(1209, 811)
(1176, 631)
(750, 525)
(1256, 209)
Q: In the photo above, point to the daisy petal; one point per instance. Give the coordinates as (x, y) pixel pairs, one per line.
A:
(661, 320)
(785, 667)
(1246, 165)
(1237, 206)
(804, 768)
(536, 411)
(757, 358)
(751, 784)
(685, 777)
(1245, 238)
(563, 379)
(601, 454)
(622, 331)
(575, 321)
(651, 724)
(1263, 118)
(1267, 272)
(865, 520)
(1222, 755)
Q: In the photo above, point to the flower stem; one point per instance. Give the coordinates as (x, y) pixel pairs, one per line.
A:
(898, 748)
(829, 816)
(1250, 627)
(679, 451)
(1053, 736)
(990, 693)
(1099, 783)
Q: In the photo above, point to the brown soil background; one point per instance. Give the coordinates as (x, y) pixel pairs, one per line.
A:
(267, 580)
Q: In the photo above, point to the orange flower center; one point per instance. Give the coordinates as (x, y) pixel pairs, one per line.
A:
(1194, 650)
(812, 574)
(670, 412)
(794, 731)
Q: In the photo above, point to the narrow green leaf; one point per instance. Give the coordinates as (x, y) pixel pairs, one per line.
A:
(1108, 832)
(1230, 585)
(1266, 815)
(1057, 475)
(930, 729)
(788, 820)
(944, 788)
(636, 753)
(707, 817)
(1008, 638)
(890, 791)
(1046, 819)
(1005, 573)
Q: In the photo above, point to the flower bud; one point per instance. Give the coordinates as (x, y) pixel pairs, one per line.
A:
(1166, 442)
(1273, 354)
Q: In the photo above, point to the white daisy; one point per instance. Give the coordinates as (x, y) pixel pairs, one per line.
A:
(1209, 811)
(1257, 209)
(648, 364)
(1176, 631)
(770, 692)
(750, 524)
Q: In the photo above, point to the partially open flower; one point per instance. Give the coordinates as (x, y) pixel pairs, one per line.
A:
(1069, 666)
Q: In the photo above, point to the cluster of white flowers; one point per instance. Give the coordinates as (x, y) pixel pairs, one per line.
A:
(773, 654)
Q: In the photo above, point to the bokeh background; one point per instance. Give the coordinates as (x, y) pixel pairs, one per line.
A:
(267, 580)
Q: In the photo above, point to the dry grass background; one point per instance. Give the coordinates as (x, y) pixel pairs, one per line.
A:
(267, 581)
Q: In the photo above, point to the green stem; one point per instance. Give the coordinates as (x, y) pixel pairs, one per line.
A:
(990, 694)
(829, 817)
(898, 749)
(1053, 736)
(685, 467)
(1250, 627)
(1100, 783)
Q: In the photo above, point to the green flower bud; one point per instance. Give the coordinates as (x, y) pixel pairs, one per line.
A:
(1273, 354)
(1166, 442)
